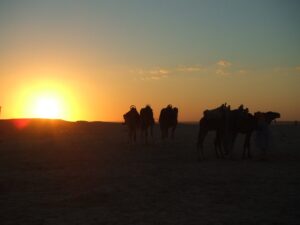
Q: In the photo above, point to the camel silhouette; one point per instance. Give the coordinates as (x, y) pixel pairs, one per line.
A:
(246, 123)
(146, 122)
(168, 118)
(239, 121)
(213, 120)
(132, 120)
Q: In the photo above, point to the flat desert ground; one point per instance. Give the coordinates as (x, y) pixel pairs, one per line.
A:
(57, 172)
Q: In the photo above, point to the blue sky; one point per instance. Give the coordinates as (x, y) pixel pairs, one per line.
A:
(202, 48)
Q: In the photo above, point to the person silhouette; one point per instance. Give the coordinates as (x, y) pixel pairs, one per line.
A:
(262, 135)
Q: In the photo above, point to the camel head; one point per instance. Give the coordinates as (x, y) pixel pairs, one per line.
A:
(270, 116)
(267, 116)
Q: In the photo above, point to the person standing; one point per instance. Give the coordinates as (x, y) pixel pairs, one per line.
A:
(262, 135)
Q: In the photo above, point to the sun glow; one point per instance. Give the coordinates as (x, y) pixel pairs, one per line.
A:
(52, 99)
(48, 107)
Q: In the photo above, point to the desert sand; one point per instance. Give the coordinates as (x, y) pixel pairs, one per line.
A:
(58, 172)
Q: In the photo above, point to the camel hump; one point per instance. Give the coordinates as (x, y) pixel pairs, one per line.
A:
(126, 116)
(132, 113)
(146, 116)
(146, 113)
(162, 115)
(132, 107)
(168, 116)
(147, 110)
(175, 115)
(216, 113)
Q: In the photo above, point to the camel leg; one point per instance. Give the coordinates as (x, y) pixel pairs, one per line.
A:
(173, 132)
(142, 133)
(247, 146)
(146, 136)
(130, 135)
(201, 138)
(231, 149)
(220, 149)
(200, 150)
(218, 146)
(244, 152)
(134, 135)
(151, 132)
(249, 151)
(162, 131)
(263, 154)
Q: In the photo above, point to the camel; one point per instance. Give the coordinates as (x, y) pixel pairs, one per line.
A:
(213, 120)
(240, 121)
(147, 121)
(132, 120)
(246, 123)
(168, 118)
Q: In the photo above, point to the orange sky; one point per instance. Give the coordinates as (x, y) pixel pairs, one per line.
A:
(91, 61)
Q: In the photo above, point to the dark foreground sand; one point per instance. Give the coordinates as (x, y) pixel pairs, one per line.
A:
(54, 172)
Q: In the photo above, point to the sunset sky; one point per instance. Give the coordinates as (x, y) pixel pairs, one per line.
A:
(90, 60)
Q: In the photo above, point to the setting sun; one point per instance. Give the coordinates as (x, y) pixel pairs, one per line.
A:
(50, 99)
(47, 107)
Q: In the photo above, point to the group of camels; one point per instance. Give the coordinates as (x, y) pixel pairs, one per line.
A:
(145, 120)
(229, 123)
(225, 122)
